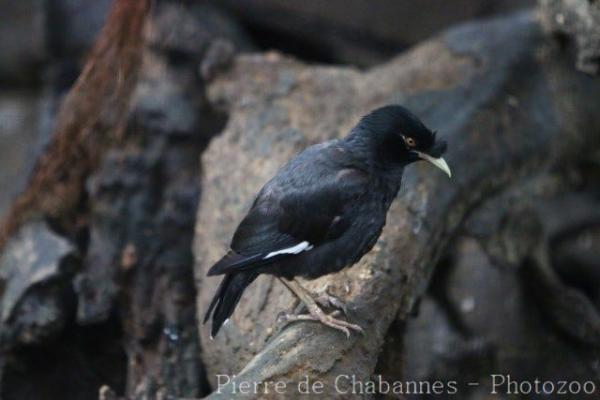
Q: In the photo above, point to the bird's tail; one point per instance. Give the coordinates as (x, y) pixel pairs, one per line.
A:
(228, 295)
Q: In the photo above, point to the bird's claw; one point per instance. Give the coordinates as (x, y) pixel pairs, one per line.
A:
(315, 312)
(329, 320)
(340, 324)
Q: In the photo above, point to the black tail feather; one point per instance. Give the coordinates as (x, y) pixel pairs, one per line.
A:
(226, 298)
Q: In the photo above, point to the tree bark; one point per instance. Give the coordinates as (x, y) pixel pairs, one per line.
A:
(117, 189)
(91, 117)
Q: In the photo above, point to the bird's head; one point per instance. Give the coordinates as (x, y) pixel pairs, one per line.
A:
(398, 137)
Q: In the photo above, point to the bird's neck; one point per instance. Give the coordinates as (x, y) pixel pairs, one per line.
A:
(373, 156)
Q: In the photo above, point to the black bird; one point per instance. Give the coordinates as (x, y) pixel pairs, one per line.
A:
(323, 211)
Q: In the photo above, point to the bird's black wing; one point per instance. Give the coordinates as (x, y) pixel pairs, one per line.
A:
(286, 220)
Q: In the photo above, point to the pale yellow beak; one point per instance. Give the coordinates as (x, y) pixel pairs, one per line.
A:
(438, 162)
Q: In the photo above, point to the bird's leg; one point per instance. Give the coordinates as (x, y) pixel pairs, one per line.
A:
(315, 312)
(324, 299)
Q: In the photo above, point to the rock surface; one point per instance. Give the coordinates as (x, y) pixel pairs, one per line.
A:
(142, 201)
(483, 320)
(580, 21)
(32, 268)
(361, 33)
(19, 127)
(498, 91)
(22, 39)
(141, 106)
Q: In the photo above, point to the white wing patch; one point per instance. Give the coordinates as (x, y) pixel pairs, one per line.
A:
(300, 247)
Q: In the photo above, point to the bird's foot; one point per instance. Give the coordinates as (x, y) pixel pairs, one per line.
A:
(327, 300)
(329, 320)
(315, 313)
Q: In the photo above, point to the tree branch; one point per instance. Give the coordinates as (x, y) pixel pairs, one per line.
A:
(499, 91)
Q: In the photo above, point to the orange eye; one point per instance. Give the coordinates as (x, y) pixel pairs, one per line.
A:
(410, 142)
